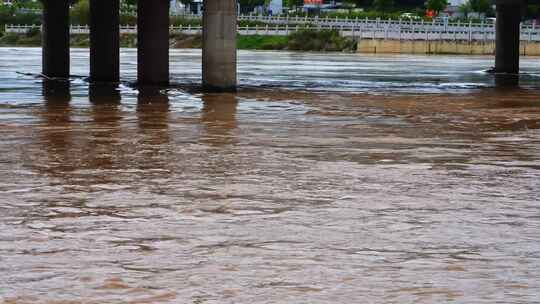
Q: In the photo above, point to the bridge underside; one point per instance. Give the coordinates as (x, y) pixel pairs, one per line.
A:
(219, 41)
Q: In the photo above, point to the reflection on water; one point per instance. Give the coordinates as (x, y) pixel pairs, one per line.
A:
(153, 124)
(219, 118)
(505, 81)
(153, 110)
(57, 97)
(299, 188)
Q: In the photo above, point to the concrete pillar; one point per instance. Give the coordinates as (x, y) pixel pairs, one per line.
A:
(104, 93)
(55, 39)
(507, 37)
(219, 45)
(105, 40)
(56, 92)
(153, 42)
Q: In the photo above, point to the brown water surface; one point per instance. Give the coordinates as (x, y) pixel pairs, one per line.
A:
(326, 179)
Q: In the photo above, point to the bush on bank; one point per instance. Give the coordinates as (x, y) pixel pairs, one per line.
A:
(303, 40)
(11, 39)
(322, 41)
(259, 42)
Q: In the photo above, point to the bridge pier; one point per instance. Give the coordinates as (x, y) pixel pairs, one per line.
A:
(55, 44)
(507, 36)
(153, 42)
(219, 45)
(105, 40)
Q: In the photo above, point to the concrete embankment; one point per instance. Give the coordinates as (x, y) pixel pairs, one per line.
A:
(458, 47)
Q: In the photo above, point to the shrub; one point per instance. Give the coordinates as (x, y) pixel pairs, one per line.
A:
(33, 32)
(259, 42)
(9, 39)
(80, 13)
(324, 40)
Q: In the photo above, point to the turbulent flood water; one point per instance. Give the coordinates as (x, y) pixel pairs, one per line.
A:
(328, 178)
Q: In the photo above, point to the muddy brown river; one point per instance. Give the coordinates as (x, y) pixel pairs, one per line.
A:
(328, 178)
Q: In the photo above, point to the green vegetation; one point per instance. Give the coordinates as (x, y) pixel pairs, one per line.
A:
(436, 5)
(383, 5)
(80, 13)
(303, 40)
(181, 41)
(259, 42)
(29, 39)
(9, 15)
(325, 40)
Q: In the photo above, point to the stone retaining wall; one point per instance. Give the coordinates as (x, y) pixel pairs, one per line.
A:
(381, 46)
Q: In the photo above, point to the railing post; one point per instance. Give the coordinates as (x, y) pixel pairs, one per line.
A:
(470, 31)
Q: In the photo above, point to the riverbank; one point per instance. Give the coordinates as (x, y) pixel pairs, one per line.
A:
(439, 47)
(303, 40)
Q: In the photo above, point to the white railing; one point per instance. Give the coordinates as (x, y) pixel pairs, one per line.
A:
(377, 23)
(395, 25)
(360, 31)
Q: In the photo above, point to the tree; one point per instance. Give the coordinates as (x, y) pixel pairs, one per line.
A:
(383, 5)
(80, 13)
(291, 3)
(480, 6)
(437, 5)
(465, 9)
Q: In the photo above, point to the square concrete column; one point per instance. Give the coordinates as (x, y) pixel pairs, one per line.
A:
(55, 40)
(219, 45)
(153, 42)
(507, 37)
(105, 40)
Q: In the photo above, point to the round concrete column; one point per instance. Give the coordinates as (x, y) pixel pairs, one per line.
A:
(153, 42)
(508, 37)
(55, 38)
(219, 45)
(105, 40)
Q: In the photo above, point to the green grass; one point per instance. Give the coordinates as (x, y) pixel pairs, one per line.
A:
(304, 40)
(258, 42)
(10, 39)
(320, 41)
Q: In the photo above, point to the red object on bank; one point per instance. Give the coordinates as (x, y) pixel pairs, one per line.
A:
(431, 13)
(313, 1)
